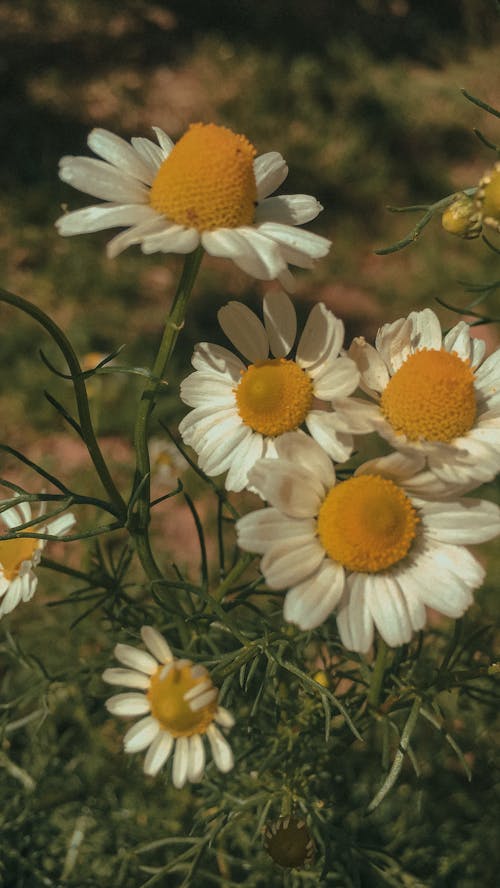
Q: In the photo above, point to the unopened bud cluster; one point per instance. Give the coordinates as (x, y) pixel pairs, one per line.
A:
(466, 215)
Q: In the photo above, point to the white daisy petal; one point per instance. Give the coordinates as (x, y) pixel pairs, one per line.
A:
(120, 154)
(478, 348)
(199, 421)
(101, 217)
(270, 172)
(325, 430)
(338, 382)
(151, 154)
(196, 759)
(99, 179)
(217, 359)
(387, 606)
(299, 239)
(216, 450)
(221, 751)
(259, 530)
(458, 340)
(128, 678)
(358, 416)
(203, 700)
(288, 209)
(298, 448)
(286, 565)
(164, 141)
(354, 619)
(243, 328)
(158, 753)
(393, 343)
(172, 239)
(128, 704)
(224, 718)
(181, 762)
(156, 644)
(309, 603)
(202, 385)
(134, 235)
(426, 330)
(135, 658)
(60, 525)
(488, 374)
(291, 489)
(373, 369)
(323, 333)
(467, 521)
(249, 451)
(254, 254)
(280, 322)
(141, 735)
(14, 594)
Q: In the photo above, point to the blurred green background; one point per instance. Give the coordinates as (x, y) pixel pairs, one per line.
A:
(363, 100)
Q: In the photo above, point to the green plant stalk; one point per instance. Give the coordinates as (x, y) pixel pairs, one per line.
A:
(173, 325)
(234, 574)
(82, 403)
(377, 676)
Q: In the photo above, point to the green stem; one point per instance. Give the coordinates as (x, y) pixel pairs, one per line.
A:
(173, 325)
(378, 671)
(233, 575)
(82, 403)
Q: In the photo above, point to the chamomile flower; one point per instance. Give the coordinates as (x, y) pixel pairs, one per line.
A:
(178, 703)
(241, 409)
(167, 462)
(19, 557)
(369, 547)
(433, 396)
(209, 189)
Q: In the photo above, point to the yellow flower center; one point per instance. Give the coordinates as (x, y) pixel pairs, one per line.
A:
(207, 181)
(367, 523)
(166, 696)
(490, 195)
(274, 396)
(14, 552)
(431, 396)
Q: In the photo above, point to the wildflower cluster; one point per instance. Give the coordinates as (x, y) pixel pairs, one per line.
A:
(356, 551)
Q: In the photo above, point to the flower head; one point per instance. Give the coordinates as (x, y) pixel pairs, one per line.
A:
(379, 547)
(488, 198)
(19, 557)
(167, 462)
(179, 705)
(289, 843)
(433, 396)
(208, 188)
(241, 409)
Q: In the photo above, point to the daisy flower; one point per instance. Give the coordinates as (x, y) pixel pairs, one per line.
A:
(167, 463)
(431, 395)
(369, 546)
(241, 409)
(179, 705)
(209, 189)
(19, 557)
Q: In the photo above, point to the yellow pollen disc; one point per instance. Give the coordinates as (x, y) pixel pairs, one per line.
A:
(207, 181)
(367, 523)
(431, 397)
(274, 396)
(166, 696)
(14, 552)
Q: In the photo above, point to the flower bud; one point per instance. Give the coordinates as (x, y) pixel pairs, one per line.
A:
(488, 198)
(288, 842)
(462, 217)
